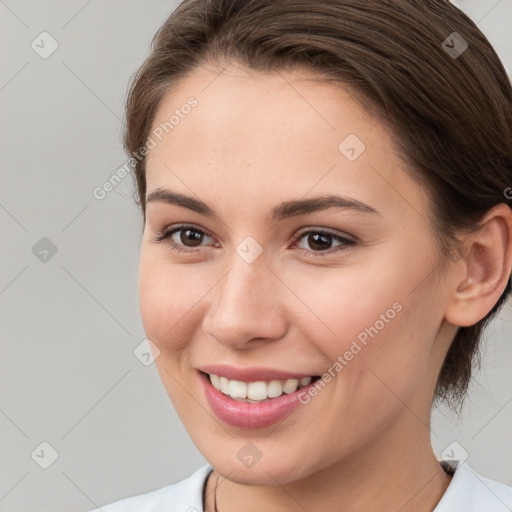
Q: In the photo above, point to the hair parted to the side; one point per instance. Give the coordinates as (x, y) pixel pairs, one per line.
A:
(451, 117)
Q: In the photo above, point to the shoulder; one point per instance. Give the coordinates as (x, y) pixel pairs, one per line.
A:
(182, 496)
(471, 492)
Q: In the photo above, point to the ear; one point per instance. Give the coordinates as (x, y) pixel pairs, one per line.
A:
(486, 269)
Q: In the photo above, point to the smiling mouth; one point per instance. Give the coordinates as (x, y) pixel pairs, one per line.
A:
(258, 391)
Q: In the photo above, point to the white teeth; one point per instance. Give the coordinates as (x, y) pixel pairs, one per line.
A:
(215, 379)
(224, 385)
(305, 381)
(290, 386)
(274, 388)
(257, 391)
(237, 389)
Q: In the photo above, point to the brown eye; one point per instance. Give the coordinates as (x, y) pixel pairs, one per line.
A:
(183, 238)
(320, 242)
(190, 237)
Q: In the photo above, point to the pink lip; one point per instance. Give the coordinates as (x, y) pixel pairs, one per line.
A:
(252, 374)
(250, 415)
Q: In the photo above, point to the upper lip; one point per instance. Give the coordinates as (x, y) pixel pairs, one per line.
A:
(251, 374)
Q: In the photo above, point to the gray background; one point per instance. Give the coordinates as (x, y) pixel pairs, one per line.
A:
(70, 324)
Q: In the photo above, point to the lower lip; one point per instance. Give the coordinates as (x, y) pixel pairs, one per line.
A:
(250, 415)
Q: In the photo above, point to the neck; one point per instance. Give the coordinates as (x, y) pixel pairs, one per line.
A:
(397, 472)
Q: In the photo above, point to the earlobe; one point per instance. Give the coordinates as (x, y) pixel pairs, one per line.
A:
(486, 268)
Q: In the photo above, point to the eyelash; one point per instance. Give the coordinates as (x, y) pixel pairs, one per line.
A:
(345, 242)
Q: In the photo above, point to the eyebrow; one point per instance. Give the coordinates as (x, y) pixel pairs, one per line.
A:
(282, 211)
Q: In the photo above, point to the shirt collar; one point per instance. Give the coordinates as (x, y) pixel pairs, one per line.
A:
(470, 492)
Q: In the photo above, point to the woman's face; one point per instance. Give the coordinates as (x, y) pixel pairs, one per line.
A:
(269, 278)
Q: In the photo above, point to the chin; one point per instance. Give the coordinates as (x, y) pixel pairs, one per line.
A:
(264, 472)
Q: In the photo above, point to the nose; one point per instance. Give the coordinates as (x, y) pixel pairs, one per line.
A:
(246, 306)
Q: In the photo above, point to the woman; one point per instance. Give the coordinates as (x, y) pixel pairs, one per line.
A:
(326, 235)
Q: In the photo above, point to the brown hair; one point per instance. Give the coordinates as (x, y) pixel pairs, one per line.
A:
(449, 110)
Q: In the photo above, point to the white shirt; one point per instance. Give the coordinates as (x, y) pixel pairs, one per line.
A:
(468, 492)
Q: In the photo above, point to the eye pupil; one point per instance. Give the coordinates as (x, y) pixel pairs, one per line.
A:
(315, 241)
(190, 235)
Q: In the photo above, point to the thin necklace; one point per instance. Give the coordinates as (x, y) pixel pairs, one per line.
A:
(215, 495)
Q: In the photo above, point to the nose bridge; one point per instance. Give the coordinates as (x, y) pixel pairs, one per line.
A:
(245, 305)
(244, 283)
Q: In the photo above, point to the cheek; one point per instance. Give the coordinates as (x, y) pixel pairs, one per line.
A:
(368, 322)
(168, 294)
(344, 304)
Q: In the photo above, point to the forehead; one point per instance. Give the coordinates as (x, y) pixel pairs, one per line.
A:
(283, 133)
(233, 101)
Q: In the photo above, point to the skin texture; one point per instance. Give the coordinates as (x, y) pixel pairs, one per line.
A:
(253, 141)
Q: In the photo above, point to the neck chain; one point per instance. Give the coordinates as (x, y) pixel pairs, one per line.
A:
(215, 495)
